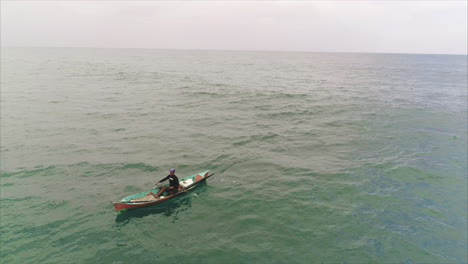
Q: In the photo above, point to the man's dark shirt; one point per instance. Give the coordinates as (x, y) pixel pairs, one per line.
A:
(173, 180)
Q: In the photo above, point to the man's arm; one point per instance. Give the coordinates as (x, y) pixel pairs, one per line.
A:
(165, 179)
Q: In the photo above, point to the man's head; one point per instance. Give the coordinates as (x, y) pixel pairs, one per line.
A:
(172, 171)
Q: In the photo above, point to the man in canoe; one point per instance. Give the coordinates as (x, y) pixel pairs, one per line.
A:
(173, 184)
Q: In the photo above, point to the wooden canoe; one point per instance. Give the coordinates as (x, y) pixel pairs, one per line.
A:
(145, 199)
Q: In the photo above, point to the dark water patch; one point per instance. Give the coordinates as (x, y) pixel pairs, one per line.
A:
(140, 166)
(264, 138)
(28, 173)
(221, 85)
(286, 114)
(288, 95)
(265, 107)
(197, 135)
(342, 123)
(57, 204)
(9, 202)
(207, 94)
(110, 99)
(108, 116)
(136, 114)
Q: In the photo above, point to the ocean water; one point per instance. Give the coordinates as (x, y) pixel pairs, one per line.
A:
(318, 157)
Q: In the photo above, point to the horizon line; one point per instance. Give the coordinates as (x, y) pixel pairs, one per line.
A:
(235, 50)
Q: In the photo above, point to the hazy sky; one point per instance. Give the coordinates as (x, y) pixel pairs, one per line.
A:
(345, 26)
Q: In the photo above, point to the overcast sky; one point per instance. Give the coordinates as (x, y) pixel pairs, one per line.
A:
(342, 26)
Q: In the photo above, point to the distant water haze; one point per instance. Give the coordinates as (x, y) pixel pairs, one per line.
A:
(438, 27)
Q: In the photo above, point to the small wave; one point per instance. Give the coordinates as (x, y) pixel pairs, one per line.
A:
(56, 204)
(140, 166)
(221, 85)
(286, 114)
(210, 94)
(26, 173)
(261, 137)
(13, 202)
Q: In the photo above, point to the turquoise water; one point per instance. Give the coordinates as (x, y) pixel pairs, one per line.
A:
(318, 157)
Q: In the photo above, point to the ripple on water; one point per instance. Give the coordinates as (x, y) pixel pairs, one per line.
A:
(318, 157)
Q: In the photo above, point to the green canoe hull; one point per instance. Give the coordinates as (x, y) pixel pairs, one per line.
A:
(187, 184)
